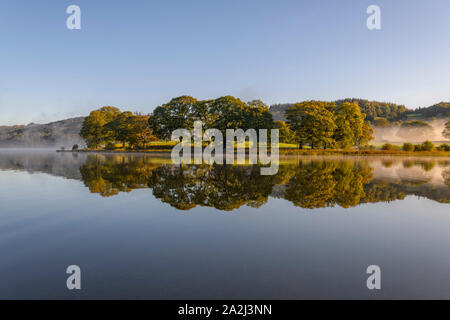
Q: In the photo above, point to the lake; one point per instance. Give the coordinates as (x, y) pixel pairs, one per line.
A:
(140, 227)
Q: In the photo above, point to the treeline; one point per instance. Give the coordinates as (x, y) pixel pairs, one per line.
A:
(108, 126)
(372, 109)
(223, 113)
(391, 112)
(317, 124)
(439, 110)
(424, 146)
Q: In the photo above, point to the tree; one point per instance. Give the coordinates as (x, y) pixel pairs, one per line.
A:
(313, 123)
(446, 132)
(350, 125)
(374, 109)
(427, 146)
(381, 122)
(285, 132)
(257, 116)
(202, 111)
(408, 146)
(120, 128)
(92, 130)
(388, 147)
(367, 135)
(139, 131)
(176, 114)
(230, 113)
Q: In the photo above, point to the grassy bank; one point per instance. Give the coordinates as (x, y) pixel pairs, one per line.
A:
(166, 149)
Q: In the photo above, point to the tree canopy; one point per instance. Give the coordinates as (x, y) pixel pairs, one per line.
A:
(109, 125)
(222, 113)
(325, 124)
(93, 131)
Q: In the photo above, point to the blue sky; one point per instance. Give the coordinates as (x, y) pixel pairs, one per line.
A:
(137, 55)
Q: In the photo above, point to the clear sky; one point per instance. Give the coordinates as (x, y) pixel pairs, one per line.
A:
(137, 55)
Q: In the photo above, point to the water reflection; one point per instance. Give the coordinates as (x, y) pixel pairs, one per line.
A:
(304, 182)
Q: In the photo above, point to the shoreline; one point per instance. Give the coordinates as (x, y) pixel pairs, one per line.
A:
(288, 152)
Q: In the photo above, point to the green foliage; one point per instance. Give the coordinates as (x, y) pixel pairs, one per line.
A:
(176, 114)
(372, 109)
(139, 133)
(75, 147)
(108, 126)
(323, 124)
(313, 123)
(381, 114)
(439, 110)
(375, 109)
(349, 125)
(286, 135)
(444, 147)
(388, 146)
(119, 128)
(223, 113)
(427, 146)
(367, 135)
(381, 122)
(408, 147)
(93, 131)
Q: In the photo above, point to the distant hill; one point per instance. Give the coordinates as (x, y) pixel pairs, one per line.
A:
(438, 111)
(57, 134)
(374, 109)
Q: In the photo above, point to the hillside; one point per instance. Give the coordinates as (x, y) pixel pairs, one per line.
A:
(374, 109)
(63, 133)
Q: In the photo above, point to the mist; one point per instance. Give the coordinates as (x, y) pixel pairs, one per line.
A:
(390, 134)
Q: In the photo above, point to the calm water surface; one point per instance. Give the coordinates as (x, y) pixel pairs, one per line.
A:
(140, 227)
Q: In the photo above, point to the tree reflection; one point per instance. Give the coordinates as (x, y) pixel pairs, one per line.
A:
(305, 183)
(321, 184)
(223, 187)
(109, 175)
